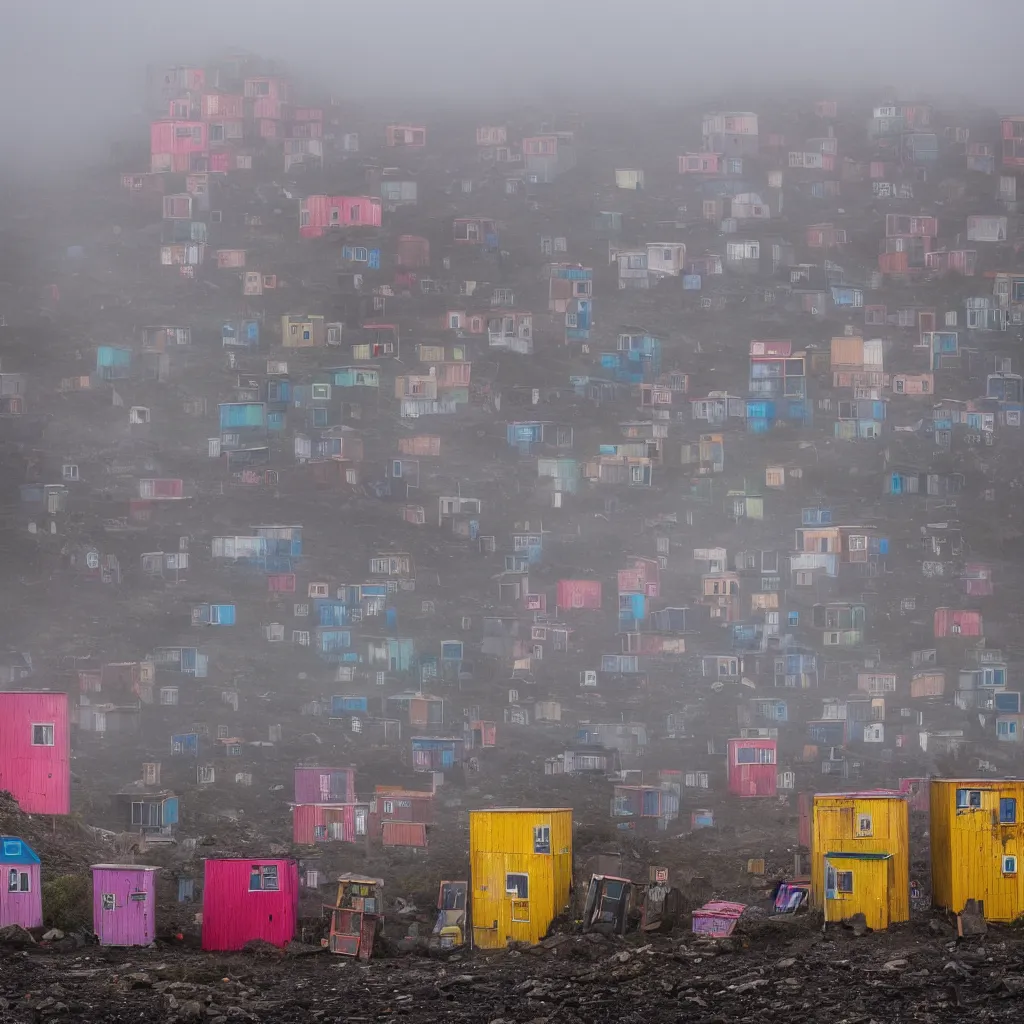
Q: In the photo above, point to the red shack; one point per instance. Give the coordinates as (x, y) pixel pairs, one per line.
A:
(957, 622)
(315, 785)
(35, 750)
(319, 214)
(174, 142)
(395, 804)
(578, 594)
(751, 767)
(412, 252)
(249, 899)
(329, 823)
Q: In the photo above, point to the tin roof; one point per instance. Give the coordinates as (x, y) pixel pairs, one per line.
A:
(16, 851)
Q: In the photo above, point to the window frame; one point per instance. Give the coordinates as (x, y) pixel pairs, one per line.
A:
(517, 891)
(542, 839)
(263, 873)
(971, 801)
(844, 882)
(42, 742)
(18, 881)
(1007, 810)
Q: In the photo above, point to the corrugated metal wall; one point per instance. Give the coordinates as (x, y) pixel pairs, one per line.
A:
(968, 845)
(835, 828)
(501, 842)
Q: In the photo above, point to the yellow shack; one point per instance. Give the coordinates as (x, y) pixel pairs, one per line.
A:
(976, 832)
(860, 859)
(520, 862)
(301, 330)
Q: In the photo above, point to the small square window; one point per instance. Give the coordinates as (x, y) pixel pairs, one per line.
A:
(42, 735)
(542, 839)
(864, 826)
(263, 878)
(1009, 865)
(518, 885)
(1007, 811)
(108, 901)
(844, 881)
(520, 911)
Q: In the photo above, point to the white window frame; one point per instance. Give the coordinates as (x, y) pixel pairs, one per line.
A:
(266, 873)
(46, 740)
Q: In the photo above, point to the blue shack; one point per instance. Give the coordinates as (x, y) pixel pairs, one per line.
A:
(113, 362)
(349, 704)
(213, 615)
(244, 333)
(436, 753)
(632, 611)
(186, 743)
(334, 645)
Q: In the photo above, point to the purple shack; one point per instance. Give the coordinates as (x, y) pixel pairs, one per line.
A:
(124, 904)
(21, 897)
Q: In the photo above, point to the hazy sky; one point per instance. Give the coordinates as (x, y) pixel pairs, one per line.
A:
(74, 67)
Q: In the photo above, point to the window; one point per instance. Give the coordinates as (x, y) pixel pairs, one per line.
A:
(263, 878)
(18, 881)
(520, 912)
(636, 474)
(793, 618)
(858, 543)
(864, 826)
(518, 885)
(42, 735)
(300, 636)
(108, 901)
(301, 610)
(1009, 865)
(844, 881)
(1007, 811)
(542, 839)
(968, 799)
(321, 391)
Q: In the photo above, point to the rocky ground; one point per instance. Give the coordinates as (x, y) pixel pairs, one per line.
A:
(773, 971)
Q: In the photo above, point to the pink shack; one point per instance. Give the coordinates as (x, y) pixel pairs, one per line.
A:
(249, 898)
(21, 897)
(751, 767)
(173, 143)
(124, 904)
(319, 214)
(315, 785)
(405, 136)
(578, 594)
(35, 750)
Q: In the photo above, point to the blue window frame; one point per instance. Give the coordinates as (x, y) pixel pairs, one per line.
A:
(1007, 810)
